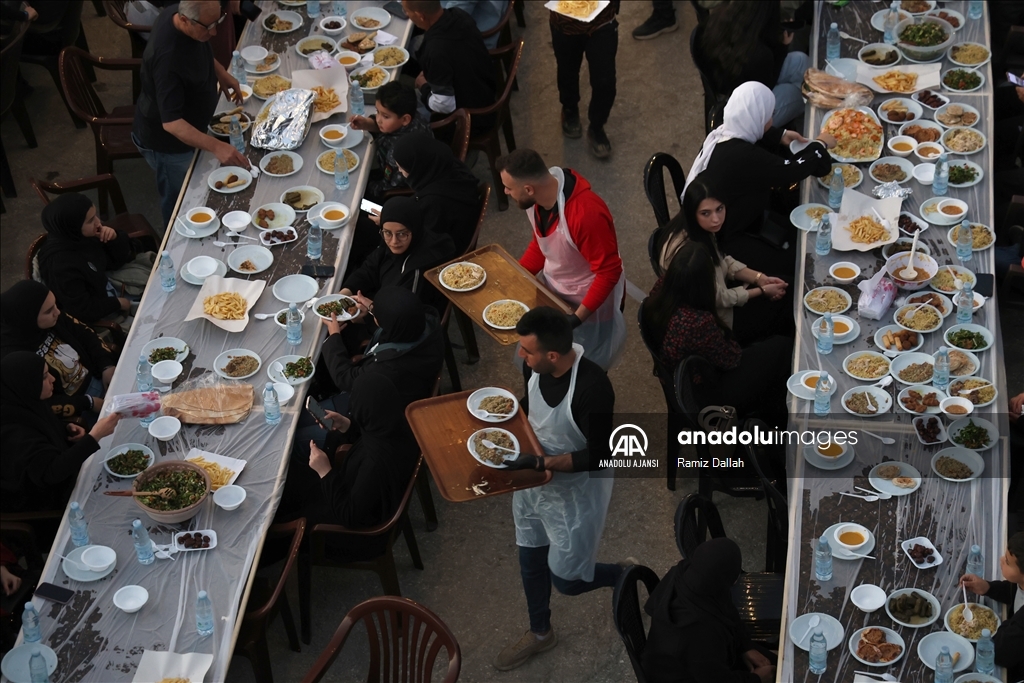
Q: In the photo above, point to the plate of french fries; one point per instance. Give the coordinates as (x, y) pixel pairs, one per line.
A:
(865, 223)
(903, 79)
(223, 470)
(226, 302)
(331, 88)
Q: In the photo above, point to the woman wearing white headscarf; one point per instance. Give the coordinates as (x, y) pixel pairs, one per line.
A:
(742, 162)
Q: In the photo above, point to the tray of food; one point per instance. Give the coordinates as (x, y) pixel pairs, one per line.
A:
(858, 134)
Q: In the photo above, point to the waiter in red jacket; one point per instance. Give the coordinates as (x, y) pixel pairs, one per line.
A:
(574, 250)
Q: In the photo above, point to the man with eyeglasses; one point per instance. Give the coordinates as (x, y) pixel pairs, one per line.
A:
(179, 96)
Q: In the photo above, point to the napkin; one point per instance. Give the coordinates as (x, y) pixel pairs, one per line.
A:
(385, 38)
(328, 78)
(215, 284)
(855, 205)
(156, 666)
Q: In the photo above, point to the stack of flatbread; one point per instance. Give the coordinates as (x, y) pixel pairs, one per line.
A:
(219, 405)
(830, 92)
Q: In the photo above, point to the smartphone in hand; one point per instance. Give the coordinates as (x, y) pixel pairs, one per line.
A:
(370, 207)
(317, 411)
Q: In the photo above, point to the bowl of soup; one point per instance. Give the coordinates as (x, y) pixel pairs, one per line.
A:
(201, 216)
(333, 215)
(925, 268)
(955, 407)
(334, 135)
(928, 151)
(844, 271)
(951, 209)
(831, 450)
(852, 536)
(348, 59)
(902, 145)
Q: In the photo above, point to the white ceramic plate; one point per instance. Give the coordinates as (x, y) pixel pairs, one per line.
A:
(918, 309)
(945, 308)
(799, 218)
(267, 100)
(244, 119)
(929, 598)
(992, 241)
(348, 155)
(796, 385)
(830, 627)
(392, 66)
(78, 572)
(15, 662)
(187, 276)
(284, 216)
(912, 106)
(440, 277)
(234, 464)
(362, 70)
(959, 272)
(846, 297)
(205, 532)
(249, 69)
(967, 90)
(921, 420)
(473, 403)
(502, 301)
(964, 455)
(954, 428)
(351, 139)
(258, 256)
(284, 15)
(928, 649)
(925, 541)
(381, 16)
(221, 175)
(334, 297)
(890, 637)
(905, 360)
(864, 110)
(895, 328)
(296, 163)
(855, 184)
(200, 233)
(163, 342)
(310, 195)
(954, 130)
(967, 109)
(881, 397)
(923, 123)
(852, 335)
(124, 448)
(322, 40)
(886, 485)
(816, 459)
(967, 372)
(959, 18)
(888, 50)
(905, 165)
(970, 327)
(949, 55)
(858, 354)
(471, 446)
(965, 162)
(917, 98)
(279, 376)
(924, 390)
(223, 359)
(295, 288)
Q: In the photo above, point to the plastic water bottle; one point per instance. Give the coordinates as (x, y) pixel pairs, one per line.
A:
(940, 185)
(985, 657)
(79, 527)
(144, 382)
(238, 68)
(940, 371)
(204, 614)
(965, 304)
(340, 170)
(313, 8)
(822, 395)
(835, 189)
(823, 241)
(271, 406)
(832, 42)
(143, 545)
(37, 669)
(168, 278)
(964, 242)
(976, 562)
(826, 335)
(974, 8)
(357, 103)
(294, 325)
(891, 19)
(338, 9)
(823, 560)
(944, 666)
(237, 139)
(30, 631)
(314, 240)
(818, 650)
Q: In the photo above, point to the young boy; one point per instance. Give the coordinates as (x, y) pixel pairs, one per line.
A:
(1010, 636)
(396, 116)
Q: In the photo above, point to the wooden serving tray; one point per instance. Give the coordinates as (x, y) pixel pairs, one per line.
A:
(506, 279)
(443, 425)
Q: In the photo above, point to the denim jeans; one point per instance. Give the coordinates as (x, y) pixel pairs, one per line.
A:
(171, 170)
(537, 581)
(600, 49)
(789, 101)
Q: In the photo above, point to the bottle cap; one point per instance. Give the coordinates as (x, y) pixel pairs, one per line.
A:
(834, 25)
(75, 506)
(270, 385)
(202, 594)
(137, 524)
(165, 253)
(29, 607)
(975, 548)
(985, 633)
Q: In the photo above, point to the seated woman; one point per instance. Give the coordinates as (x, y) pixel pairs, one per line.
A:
(78, 252)
(42, 455)
(75, 356)
(742, 159)
(408, 249)
(407, 346)
(700, 221)
(683, 319)
(696, 634)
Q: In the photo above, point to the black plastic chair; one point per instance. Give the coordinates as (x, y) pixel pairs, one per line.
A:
(714, 102)
(665, 377)
(772, 480)
(654, 184)
(627, 614)
(696, 517)
(11, 100)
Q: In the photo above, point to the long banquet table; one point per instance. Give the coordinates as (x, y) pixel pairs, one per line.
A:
(952, 515)
(94, 640)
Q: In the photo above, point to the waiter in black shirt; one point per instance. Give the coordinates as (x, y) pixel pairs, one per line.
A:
(559, 525)
(179, 96)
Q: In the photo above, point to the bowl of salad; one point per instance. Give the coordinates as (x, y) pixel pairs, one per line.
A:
(924, 39)
(190, 484)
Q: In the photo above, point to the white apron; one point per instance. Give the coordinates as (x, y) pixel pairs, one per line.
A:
(568, 274)
(567, 514)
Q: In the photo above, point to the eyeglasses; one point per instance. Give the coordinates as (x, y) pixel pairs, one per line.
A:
(209, 27)
(400, 236)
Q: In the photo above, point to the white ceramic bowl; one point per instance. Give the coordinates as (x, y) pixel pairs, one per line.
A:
(285, 392)
(254, 54)
(236, 221)
(347, 55)
(880, 47)
(98, 558)
(844, 264)
(962, 205)
(166, 371)
(302, 315)
(945, 403)
(924, 173)
(333, 31)
(928, 151)
(842, 529)
(327, 132)
(901, 139)
(130, 599)
(931, 52)
(210, 215)
(897, 262)
(164, 427)
(331, 207)
(202, 266)
(229, 497)
(246, 92)
(868, 597)
(325, 43)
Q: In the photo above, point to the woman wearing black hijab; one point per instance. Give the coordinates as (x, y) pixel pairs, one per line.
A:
(42, 455)
(696, 635)
(407, 346)
(74, 354)
(78, 252)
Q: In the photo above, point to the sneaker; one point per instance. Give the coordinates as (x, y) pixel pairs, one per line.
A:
(518, 653)
(571, 126)
(655, 26)
(599, 144)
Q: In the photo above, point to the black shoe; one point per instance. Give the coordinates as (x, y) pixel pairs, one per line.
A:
(599, 144)
(655, 26)
(571, 126)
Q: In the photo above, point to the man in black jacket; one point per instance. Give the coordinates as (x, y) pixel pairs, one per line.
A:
(1009, 639)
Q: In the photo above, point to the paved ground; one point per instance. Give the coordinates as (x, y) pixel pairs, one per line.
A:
(471, 579)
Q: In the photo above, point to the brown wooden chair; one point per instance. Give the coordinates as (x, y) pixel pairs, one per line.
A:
(488, 141)
(383, 565)
(466, 327)
(459, 118)
(116, 11)
(50, 60)
(503, 29)
(520, 18)
(270, 600)
(405, 639)
(111, 130)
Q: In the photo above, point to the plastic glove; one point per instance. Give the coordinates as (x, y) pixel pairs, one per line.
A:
(525, 461)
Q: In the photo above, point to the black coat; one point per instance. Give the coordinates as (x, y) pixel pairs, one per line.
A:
(1009, 639)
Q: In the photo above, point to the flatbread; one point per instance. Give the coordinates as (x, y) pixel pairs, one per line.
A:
(225, 404)
(905, 482)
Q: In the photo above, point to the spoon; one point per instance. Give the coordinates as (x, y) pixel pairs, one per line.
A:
(967, 392)
(870, 499)
(491, 444)
(863, 557)
(244, 237)
(881, 495)
(847, 36)
(884, 677)
(909, 315)
(261, 316)
(218, 243)
(188, 231)
(74, 562)
(279, 369)
(909, 272)
(477, 412)
(968, 612)
(884, 382)
(884, 439)
(814, 621)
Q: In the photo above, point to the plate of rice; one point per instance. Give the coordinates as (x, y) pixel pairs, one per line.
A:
(462, 277)
(504, 314)
(823, 300)
(957, 464)
(982, 617)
